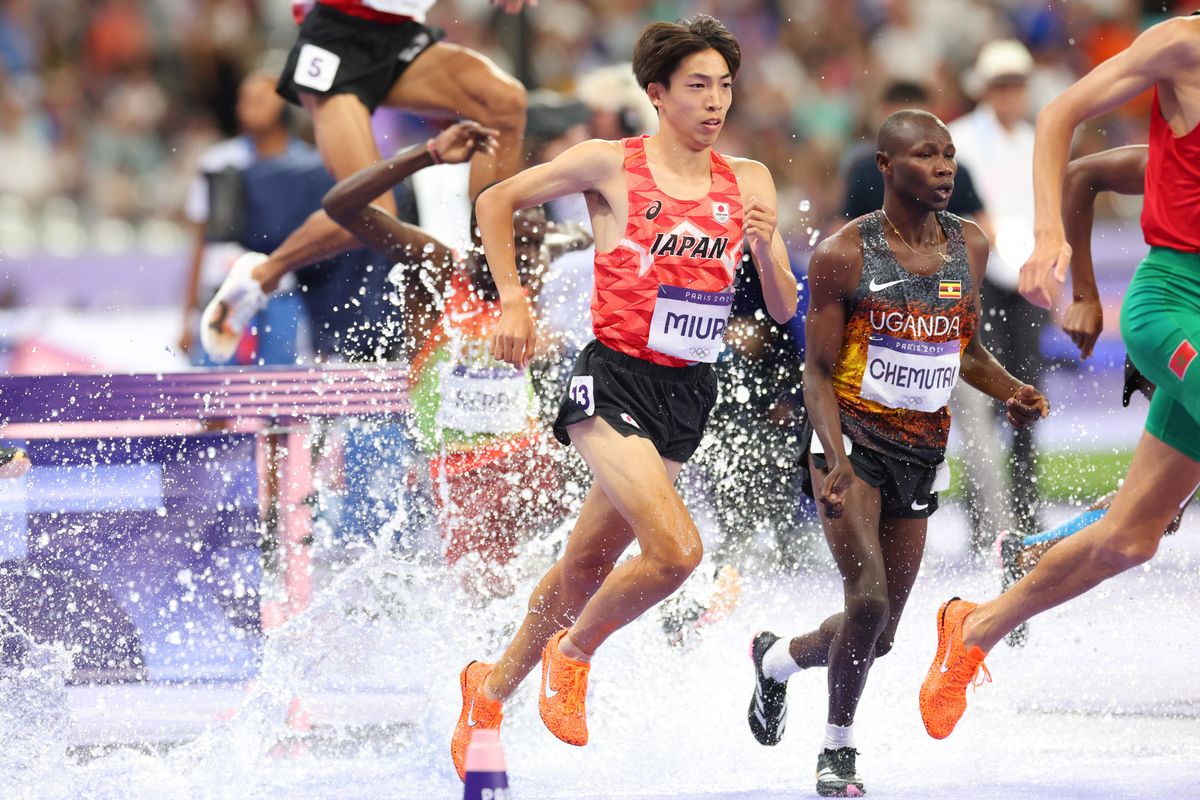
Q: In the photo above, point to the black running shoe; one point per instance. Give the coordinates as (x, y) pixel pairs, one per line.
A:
(768, 707)
(837, 775)
(1009, 547)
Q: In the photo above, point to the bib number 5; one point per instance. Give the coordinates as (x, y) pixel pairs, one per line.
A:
(316, 68)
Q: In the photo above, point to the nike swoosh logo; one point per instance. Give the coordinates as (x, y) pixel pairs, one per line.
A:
(945, 658)
(875, 287)
(920, 507)
(456, 317)
(471, 714)
(549, 693)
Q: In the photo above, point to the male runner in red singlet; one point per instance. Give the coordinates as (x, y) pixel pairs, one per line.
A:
(350, 57)
(893, 322)
(671, 218)
(1160, 325)
(1121, 170)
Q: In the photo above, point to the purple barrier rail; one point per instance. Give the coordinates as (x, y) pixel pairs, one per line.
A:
(284, 394)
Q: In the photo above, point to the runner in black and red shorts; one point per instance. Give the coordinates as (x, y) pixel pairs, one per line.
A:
(350, 57)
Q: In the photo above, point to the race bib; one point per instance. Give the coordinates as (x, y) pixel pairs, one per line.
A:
(690, 324)
(316, 68)
(489, 400)
(582, 392)
(901, 373)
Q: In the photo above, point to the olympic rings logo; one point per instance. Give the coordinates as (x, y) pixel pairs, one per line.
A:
(700, 352)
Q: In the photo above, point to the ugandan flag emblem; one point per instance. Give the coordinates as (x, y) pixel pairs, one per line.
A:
(949, 290)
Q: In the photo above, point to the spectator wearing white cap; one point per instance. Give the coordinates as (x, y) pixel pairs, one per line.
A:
(995, 142)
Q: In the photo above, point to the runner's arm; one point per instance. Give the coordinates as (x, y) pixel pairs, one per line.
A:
(835, 268)
(349, 202)
(577, 169)
(1159, 53)
(191, 288)
(764, 242)
(979, 368)
(1121, 170)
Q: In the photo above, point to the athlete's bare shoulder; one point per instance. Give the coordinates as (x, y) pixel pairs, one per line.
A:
(843, 243)
(749, 171)
(839, 257)
(1171, 44)
(972, 233)
(978, 247)
(602, 158)
(1184, 32)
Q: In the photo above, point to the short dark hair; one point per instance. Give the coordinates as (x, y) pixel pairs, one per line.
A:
(900, 93)
(894, 132)
(663, 45)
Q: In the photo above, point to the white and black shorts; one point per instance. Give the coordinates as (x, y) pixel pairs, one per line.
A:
(667, 405)
(337, 53)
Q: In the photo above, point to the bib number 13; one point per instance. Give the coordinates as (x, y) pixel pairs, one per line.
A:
(582, 393)
(316, 68)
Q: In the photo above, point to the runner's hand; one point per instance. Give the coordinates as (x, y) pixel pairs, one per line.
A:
(462, 140)
(1026, 406)
(1083, 322)
(1051, 255)
(514, 338)
(513, 6)
(834, 487)
(758, 224)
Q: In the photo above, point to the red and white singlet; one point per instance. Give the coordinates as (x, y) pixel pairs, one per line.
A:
(664, 293)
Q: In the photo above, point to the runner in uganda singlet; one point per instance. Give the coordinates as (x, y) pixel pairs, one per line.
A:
(901, 354)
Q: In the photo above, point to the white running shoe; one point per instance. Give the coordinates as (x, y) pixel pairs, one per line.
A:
(231, 309)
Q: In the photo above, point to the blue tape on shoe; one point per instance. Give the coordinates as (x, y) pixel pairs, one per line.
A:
(1071, 526)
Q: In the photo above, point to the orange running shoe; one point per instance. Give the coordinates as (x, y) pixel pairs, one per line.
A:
(944, 692)
(477, 712)
(561, 700)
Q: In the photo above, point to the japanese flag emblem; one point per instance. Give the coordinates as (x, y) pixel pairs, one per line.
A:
(721, 212)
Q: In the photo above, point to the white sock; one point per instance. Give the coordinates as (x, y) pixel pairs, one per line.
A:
(778, 664)
(836, 736)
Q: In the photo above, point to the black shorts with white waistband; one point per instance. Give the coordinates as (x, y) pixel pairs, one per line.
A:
(905, 487)
(667, 405)
(337, 53)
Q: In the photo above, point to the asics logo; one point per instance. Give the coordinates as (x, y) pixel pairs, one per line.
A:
(549, 692)
(653, 210)
(875, 287)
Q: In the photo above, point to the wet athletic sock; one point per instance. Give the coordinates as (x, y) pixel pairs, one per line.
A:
(777, 663)
(837, 737)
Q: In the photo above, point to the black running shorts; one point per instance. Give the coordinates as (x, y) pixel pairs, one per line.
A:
(905, 488)
(667, 405)
(336, 53)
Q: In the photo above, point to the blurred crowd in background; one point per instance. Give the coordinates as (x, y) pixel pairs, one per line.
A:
(105, 105)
